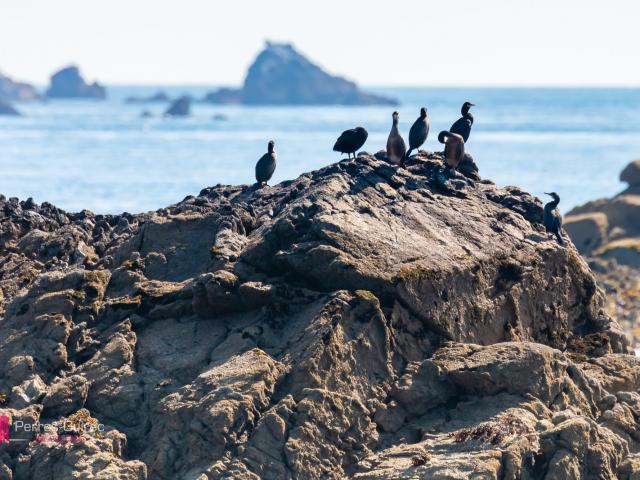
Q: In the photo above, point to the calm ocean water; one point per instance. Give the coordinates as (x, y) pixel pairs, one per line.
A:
(103, 156)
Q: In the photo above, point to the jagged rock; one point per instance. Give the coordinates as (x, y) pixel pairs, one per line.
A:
(68, 83)
(179, 108)
(280, 75)
(8, 110)
(361, 321)
(631, 174)
(587, 231)
(12, 91)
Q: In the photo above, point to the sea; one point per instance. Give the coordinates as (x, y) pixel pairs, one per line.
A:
(105, 157)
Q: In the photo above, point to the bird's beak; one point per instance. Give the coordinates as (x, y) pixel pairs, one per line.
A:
(547, 193)
(473, 104)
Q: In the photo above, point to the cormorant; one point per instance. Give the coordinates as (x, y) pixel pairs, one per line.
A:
(266, 165)
(462, 126)
(350, 141)
(453, 148)
(552, 218)
(396, 148)
(419, 132)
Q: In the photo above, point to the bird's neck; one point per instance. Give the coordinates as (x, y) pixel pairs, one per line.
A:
(467, 115)
(553, 204)
(394, 126)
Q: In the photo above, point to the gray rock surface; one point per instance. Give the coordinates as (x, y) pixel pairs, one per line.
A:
(361, 321)
(68, 83)
(280, 75)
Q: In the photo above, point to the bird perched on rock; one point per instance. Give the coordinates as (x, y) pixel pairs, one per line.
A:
(351, 140)
(396, 148)
(462, 126)
(266, 165)
(418, 132)
(453, 148)
(552, 218)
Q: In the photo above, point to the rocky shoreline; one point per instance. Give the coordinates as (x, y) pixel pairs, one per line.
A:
(361, 321)
(607, 232)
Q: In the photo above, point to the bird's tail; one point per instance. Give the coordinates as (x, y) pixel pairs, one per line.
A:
(559, 237)
(406, 155)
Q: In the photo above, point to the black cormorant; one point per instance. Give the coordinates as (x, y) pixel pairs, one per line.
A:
(453, 148)
(396, 148)
(419, 132)
(351, 140)
(462, 126)
(266, 165)
(552, 218)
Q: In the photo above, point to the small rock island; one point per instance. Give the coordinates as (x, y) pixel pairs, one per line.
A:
(68, 83)
(280, 75)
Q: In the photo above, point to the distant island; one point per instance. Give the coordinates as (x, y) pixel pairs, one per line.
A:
(280, 75)
(68, 83)
(13, 91)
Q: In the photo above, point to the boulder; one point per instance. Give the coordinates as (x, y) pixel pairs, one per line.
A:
(631, 174)
(588, 231)
(280, 75)
(68, 83)
(179, 108)
(8, 110)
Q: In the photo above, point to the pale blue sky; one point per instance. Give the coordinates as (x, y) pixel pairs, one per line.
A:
(399, 42)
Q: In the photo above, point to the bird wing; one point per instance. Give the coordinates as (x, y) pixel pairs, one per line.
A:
(343, 140)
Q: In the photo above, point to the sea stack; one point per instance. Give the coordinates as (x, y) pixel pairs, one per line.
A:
(280, 75)
(68, 83)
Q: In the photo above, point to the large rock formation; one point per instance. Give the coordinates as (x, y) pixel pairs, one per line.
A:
(280, 75)
(12, 91)
(68, 83)
(362, 321)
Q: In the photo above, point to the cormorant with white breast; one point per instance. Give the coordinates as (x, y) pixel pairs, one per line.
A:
(350, 141)
(419, 132)
(266, 165)
(462, 126)
(396, 148)
(552, 218)
(453, 148)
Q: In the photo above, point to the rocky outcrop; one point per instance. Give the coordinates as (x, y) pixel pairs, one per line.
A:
(68, 83)
(7, 109)
(361, 321)
(179, 108)
(12, 91)
(280, 75)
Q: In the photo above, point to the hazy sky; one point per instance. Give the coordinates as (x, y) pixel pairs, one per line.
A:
(394, 42)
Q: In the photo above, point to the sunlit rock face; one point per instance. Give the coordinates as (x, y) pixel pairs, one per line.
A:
(361, 321)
